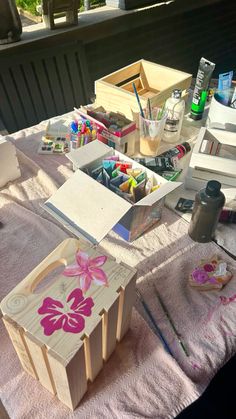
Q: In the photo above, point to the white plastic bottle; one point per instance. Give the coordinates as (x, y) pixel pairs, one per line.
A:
(174, 107)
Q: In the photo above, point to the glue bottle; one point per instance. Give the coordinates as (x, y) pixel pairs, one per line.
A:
(206, 212)
(174, 107)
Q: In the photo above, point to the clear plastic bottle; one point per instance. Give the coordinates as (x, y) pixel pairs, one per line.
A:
(206, 212)
(174, 107)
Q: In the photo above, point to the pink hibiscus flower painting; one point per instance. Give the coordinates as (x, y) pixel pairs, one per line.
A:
(68, 315)
(88, 270)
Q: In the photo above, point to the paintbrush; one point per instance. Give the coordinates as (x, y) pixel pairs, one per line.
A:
(171, 323)
(151, 318)
(149, 109)
(138, 100)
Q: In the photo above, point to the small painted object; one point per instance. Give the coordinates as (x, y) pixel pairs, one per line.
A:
(210, 274)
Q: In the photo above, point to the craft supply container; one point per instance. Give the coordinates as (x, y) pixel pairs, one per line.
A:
(102, 210)
(122, 140)
(64, 330)
(153, 81)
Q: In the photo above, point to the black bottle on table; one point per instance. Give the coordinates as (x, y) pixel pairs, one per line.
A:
(206, 212)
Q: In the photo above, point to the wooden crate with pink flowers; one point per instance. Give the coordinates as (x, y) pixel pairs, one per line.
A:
(66, 316)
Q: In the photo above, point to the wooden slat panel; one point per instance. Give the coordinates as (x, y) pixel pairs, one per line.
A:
(126, 302)
(43, 84)
(14, 98)
(35, 92)
(66, 82)
(16, 334)
(39, 68)
(24, 95)
(85, 75)
(70, 379)
(110, 319)
(39, 356)
(55, 84)
(75, 76)
(93, 351)
(6, 111)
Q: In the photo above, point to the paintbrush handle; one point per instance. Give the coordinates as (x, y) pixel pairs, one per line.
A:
(171, 323)
(138, 100)
(158, 331)
(149, 109)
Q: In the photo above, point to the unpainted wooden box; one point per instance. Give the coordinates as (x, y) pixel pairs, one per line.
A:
(63, 331)
(153, 81)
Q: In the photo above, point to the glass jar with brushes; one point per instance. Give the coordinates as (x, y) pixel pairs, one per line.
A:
(151, 125)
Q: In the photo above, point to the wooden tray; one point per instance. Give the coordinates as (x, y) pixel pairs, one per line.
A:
(153, 81)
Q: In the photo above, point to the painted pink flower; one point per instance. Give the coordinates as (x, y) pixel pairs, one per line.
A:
(68, 317)
(208, 267)
(200, 276)
(88, 270)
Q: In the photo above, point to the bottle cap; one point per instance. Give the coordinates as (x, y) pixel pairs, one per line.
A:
(187, 146)
(213, 188)
(176, 93)
(195, 116)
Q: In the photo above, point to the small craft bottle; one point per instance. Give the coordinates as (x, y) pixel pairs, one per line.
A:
(206, 212)
(174, 107)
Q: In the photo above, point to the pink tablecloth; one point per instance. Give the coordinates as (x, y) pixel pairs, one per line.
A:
(140, 379)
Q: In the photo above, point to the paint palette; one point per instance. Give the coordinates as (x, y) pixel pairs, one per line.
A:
(58, 148)
(45, 148)
(53, 145)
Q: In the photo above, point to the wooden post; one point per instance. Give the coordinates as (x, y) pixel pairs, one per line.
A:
(69, 7)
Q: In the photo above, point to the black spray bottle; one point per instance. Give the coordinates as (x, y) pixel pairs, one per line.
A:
(206, 212)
